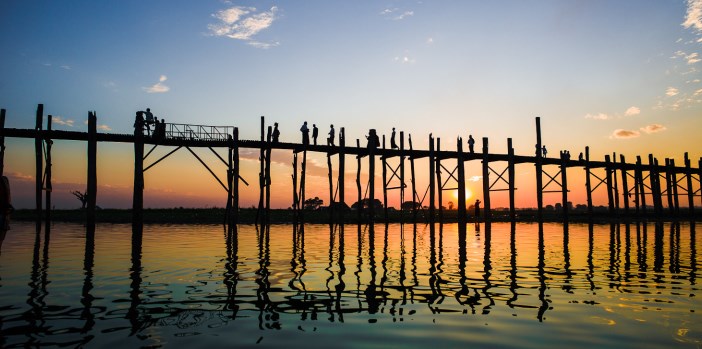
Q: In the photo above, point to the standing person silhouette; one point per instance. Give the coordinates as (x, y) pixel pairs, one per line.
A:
(315, 133)
(477, 209)
(393, 145)
(330, 140)
(305, 134)
(543, 149)
(149, 120)
(276, 133)
(471, 144)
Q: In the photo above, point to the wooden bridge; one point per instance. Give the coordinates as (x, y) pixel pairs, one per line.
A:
(639, 180)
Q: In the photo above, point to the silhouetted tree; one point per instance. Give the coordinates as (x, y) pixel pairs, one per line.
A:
(407, 205)
(450, 205)
(366, 204)
(313, 204)
(83, 197)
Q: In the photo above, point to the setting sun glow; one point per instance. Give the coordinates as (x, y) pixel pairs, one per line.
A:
(469, 194)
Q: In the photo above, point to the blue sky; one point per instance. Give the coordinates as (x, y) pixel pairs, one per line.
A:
(618, 76)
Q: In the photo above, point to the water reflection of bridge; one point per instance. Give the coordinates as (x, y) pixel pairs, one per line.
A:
(634, 189)
(371, 283)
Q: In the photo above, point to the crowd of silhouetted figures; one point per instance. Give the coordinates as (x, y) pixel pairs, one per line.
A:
(147, 121)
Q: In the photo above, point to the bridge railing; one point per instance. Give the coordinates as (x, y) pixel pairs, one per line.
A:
(198, 132)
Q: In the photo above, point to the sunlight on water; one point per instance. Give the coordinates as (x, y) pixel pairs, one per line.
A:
(398, 286)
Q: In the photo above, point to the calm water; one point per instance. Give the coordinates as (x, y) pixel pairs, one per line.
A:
(623, 286)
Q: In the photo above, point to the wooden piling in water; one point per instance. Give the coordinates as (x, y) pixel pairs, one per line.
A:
(674, 178)
(440, 185)
(654, 178)
(608, 182)
(402, 175)
(539, 172)
(48, 187)
(385, 183)
(640, 184)
(415, 201)
(461, 184)
(625, 185)
(342, 169)
(261, 173)
(511, 177)
(564, 186)
(138, 195)
(588, 183)
(669, 187)
(268, 173)
(296, 198)
(432, 193)
(615, 187)
(92, 169)
(371, 182)
(690, 190)
(486, 182)
(359, 209)
(39, 162)
(2, 142)
(303, 176)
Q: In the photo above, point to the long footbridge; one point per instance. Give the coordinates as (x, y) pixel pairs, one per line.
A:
(634, 189)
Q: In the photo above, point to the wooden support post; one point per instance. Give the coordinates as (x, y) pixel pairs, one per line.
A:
(415, 202)
(269, 149)
(439, 183)
(690, 190)
(674, 185)
(2, 142)
(92, 169)
(588, 183)
(486, 182)
(655, 187)
(625, 186)
(261, 173)
(303, 176)
(230, 177)
(138, 196)
(432, 192)
(342, 169)
(235, 176)
(296, 198)
(615, 187)
(539, 173)
(564, 186)
(699, 174)
(331, 187)
(641, 185)
(47, 182)
(511, 177)
(608, 183)
(371, 182)
(461, 184)
(669, 187)
(359, 209)
(402, 175)
(385, 182)
(39, 160)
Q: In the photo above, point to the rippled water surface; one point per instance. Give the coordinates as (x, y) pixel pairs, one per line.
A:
(509, 286)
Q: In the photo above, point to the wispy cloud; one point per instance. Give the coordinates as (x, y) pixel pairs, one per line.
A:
(396, 14)
(158, 87)
(475, 178)
(632, 111)
(653, 128)
(404, 59)
(671, 91)
(430, 41)
(598, 116)
(67, 67)
(60, 121)
(625, 134)
(243, 23)
(100, 127)
(693, 15)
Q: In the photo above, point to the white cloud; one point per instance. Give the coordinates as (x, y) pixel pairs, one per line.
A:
(430, 41)
(653, 128)
(243, 23)
(104, 128)
(392, 13)
(693, 15)
(475, 178)
(671, 91)
(67, 67)
(404, 59)
(632, 111)
(60, 121)
(625, 134)
(599, 116)
(158, 87)
(692, 58)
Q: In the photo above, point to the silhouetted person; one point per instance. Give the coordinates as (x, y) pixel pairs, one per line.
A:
(305, 134)
(373, 140)
(139, 120)
(149, 120)
(477, 209)
(393, 145)
(315, 133)
(471, 144)
(543, 149)
(276, 133)
(580, 157)
(330, 140)
(567, 154)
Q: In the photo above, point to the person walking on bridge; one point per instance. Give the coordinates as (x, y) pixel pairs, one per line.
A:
(305, 134)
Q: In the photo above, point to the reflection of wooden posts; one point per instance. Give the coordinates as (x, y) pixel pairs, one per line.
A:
(439, 183)
(588, 183)
(47, 173)
(402, 175)
(268, 173)
(39, 159)
(564, 185)
(608, 179)
(625, 185)
(385, 182)
(690, 191)
(432, 192)
(342, 168)
(511, 174)
(359, 209)
(371, 180)
(539, 172)
(486, 181)
(461, 184)
(674, 177)
(414, 188)
(138, 196)
(92, 169)
(640, 184)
